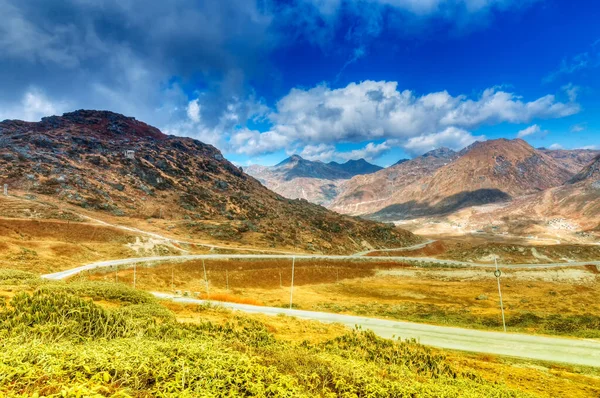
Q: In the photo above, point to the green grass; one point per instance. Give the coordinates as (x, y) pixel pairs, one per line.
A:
(58, 342)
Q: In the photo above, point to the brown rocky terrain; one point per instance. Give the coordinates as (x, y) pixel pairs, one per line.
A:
(486, 172)
(367, 193)
(571, 159)
(578, 200)
(315, 181)
(115, 165)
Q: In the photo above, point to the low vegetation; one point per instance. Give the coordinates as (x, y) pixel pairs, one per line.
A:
(55, 341)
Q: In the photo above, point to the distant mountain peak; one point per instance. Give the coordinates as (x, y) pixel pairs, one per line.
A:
(440, 153)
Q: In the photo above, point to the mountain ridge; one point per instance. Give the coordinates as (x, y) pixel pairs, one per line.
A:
(81, 158)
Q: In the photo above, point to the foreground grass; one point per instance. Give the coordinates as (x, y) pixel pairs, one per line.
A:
(55, 341)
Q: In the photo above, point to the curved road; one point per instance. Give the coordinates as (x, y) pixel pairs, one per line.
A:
(571, 351)
(138, 260)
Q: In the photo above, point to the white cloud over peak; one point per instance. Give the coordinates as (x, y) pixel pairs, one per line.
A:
(452, 137)
(375, 111)
(535, 129)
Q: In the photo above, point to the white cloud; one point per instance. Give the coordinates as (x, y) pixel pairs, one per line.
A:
(577, 128)
(572, 91)
(193, 111)
(372, 111)
(253, 142)
(33, 106)
(571, 65)
(556, 146)
(535, 129)
(452, 137)
(592, 147)
(322, 152)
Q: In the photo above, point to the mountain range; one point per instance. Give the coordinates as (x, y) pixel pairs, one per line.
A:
(442, 182)
(315, 181)
(110, 164)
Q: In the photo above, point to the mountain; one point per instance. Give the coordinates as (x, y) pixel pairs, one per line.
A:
(573, 206)
(355, 167)
(315, 181)
(366, 194)
(589, 174)
(571, 159)
(485, 172)
(107, 163)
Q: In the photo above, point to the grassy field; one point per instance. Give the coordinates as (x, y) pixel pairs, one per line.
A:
(563, 301)
(103, 339)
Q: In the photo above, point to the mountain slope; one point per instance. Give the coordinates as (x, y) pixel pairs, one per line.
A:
(366, 194)
(314, 181)
(577, 201)
(485, 172)
(571, 159)
(80, 158)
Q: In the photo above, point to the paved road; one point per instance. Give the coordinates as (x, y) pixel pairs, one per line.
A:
(137, 260)
(399, 249)
(572, 351)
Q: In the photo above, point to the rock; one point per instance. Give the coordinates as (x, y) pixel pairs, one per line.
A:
(481, 297)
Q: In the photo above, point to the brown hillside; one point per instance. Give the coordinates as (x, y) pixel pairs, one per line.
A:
(486, 172)
(80, 159)
(368, 193)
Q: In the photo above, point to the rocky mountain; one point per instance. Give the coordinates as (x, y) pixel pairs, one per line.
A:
(589, 174)
(314, 181)
(367, 194)
(106, 162)
(355, 167)
(485, 172)
(571, 159)
(573, 206)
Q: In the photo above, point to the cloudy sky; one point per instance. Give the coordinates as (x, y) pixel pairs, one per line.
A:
(327, 79)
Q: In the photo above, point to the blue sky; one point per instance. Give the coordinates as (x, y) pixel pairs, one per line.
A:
(329, 79)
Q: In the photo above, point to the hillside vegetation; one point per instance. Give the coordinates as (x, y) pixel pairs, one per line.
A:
(56, 341)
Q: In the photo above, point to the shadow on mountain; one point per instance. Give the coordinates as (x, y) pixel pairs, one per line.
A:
(447, 206)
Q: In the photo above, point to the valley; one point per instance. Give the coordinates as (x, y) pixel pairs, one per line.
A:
(113, 229)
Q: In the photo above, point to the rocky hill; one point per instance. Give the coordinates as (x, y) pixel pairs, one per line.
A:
(485, 172)
(574, 205)
(369, 193)
(314, 181)
(106, 162)
(571, 159)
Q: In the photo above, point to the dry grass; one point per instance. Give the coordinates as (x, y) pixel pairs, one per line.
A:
(465, 297)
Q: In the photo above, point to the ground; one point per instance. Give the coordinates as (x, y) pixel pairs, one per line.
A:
(210, 345)
(562, 301)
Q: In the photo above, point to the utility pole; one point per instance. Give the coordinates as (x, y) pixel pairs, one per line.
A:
(292, 286)
(497, 274)
(205, 280)
(280, 280)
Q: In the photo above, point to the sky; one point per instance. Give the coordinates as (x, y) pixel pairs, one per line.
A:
(327, 79)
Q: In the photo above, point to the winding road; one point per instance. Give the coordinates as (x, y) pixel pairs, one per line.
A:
(553, 349)
(566, 350)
